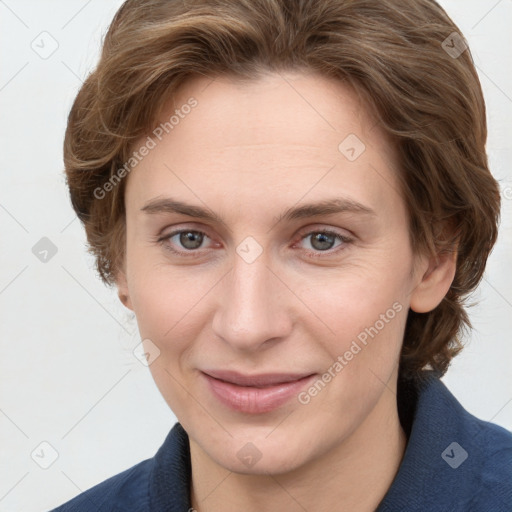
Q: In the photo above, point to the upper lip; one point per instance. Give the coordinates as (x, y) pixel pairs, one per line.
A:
(263, 379)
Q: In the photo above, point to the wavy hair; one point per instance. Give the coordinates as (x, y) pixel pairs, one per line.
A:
(406, 58)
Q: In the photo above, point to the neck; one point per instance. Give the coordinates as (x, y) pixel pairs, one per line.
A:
(354, 475)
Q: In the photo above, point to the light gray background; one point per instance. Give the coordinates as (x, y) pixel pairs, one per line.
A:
(68, 375)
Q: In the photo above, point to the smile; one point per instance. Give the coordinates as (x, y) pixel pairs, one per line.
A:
(254, 394)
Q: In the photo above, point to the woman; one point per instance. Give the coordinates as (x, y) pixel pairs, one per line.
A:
(294, 199)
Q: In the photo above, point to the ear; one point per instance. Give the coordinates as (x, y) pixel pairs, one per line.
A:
(438, 273)
(122, 289)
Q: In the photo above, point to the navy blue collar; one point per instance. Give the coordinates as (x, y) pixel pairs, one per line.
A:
(427, 478)
(433, 420)
(169, 485)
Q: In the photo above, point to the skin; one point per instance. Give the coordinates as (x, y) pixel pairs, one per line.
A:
(248, 151)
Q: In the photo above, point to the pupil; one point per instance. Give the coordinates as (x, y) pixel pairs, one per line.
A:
(191, 239)
(324, 240)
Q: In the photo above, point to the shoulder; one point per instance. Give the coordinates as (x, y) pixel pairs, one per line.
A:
(492, 446)
(128, 490)
(453, 460)
(157, 483)
(476, 456)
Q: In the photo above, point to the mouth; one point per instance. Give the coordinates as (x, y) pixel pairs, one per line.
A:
(254, 394)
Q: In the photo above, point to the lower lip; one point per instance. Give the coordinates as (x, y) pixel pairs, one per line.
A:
(255, 400)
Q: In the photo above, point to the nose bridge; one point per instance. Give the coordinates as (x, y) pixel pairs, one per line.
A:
(252, 309)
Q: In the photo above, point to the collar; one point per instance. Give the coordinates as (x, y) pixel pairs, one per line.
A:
(432, 419)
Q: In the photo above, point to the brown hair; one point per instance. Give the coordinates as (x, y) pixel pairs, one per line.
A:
(391, 51)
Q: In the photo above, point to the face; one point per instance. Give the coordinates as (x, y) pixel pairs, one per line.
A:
(267, 242)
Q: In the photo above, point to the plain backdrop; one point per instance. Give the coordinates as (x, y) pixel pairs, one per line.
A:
(73, 396)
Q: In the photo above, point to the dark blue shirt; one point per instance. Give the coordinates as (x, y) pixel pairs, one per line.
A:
(453, 462)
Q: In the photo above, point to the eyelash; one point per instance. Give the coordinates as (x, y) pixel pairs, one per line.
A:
(311, 254)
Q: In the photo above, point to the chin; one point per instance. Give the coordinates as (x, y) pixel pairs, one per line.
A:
(260, 454)
(274, 464)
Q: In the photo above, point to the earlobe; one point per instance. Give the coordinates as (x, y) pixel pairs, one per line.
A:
(435, 282)
(122, 290)
(125, 299)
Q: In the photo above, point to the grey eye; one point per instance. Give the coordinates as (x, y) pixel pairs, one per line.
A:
(191, 239)
(322, 241)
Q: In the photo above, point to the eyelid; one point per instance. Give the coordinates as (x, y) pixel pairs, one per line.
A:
(303, 234)
(163, 238)
(345, 241)
(322, 228)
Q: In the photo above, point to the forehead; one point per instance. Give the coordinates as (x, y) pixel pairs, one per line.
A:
(275, 108)
(279, 137)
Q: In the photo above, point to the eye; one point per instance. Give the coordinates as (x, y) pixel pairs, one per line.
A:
(322, 241)
(189, 239)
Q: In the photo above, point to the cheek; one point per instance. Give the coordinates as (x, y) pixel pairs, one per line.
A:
(339, 303)
(153, 297)
(367, 334)
(362, 357)
(363, 311)
(169, 304)
(349, 299)
(164, 308)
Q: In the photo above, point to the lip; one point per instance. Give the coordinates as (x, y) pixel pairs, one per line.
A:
(254, 394)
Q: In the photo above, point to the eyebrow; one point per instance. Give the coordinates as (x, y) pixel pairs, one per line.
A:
(325, 207)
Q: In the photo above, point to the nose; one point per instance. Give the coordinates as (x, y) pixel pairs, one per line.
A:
(253, 310)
